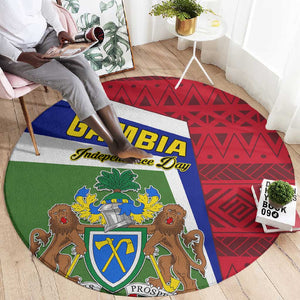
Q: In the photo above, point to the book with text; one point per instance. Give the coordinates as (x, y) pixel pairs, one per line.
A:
(282, 218)
(82, 42)
(256, 188)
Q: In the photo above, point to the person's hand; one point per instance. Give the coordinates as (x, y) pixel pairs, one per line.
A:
(63, 37)
(33, 58)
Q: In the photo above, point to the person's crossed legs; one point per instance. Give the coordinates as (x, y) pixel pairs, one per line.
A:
(81, 87)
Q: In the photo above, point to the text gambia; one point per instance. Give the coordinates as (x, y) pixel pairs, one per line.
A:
(166, 163)
(142, 139)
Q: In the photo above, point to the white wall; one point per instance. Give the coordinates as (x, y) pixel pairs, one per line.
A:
(144, 28)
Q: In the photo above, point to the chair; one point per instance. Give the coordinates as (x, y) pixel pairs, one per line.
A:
(13, 87)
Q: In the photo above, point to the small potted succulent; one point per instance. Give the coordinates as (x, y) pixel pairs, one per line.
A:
(280, 193)
(185, 11)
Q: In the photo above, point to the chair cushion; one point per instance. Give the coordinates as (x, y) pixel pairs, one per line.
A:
(16, 81)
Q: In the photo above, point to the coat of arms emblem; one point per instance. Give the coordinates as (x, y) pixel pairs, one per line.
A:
(117, 235)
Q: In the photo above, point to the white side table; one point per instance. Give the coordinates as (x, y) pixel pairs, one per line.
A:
(204, 32)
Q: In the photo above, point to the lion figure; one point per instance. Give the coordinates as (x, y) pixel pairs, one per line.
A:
(65, 230)
(166, 230)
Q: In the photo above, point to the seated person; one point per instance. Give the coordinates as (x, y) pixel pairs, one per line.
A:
(27, 30)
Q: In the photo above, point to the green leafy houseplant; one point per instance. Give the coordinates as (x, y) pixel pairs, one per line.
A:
(182, 9)
(280, 193)
(185, 11)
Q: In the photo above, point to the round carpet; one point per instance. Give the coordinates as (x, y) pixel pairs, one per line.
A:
(181, 221)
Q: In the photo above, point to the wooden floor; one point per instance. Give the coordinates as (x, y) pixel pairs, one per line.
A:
(275, 275)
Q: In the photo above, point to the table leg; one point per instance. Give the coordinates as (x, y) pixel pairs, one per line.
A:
(183, 74)
(189, 64)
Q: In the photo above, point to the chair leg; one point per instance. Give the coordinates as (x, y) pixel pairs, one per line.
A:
(29, 125)
(46, 89)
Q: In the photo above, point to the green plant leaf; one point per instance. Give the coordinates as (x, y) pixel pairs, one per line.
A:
(94, 56)
(280, 192)
(113, 46)
(114, 180)
(110, 26)
(182, 9)
(105, 6)
(71, 5)
(88, 20)
(120, 14)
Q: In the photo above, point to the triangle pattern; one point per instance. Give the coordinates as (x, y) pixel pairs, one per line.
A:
(247, 137)
(221, 137)
(230, 144)
(218, 101)
(145, 102)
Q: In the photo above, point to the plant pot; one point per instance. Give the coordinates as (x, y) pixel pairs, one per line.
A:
(276, 205)
(186, 27)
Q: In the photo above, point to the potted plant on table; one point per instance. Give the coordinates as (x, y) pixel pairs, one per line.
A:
(185, 11)
(280, 193)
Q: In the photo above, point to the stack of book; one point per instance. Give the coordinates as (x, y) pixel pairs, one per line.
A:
(275, 219)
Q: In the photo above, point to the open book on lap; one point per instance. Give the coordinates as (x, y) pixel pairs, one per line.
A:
(82, 42)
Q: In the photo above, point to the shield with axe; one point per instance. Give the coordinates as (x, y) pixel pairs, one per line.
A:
(114, 258)
(109, 241)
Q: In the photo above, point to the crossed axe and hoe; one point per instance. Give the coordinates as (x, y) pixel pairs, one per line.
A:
(174, 283)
